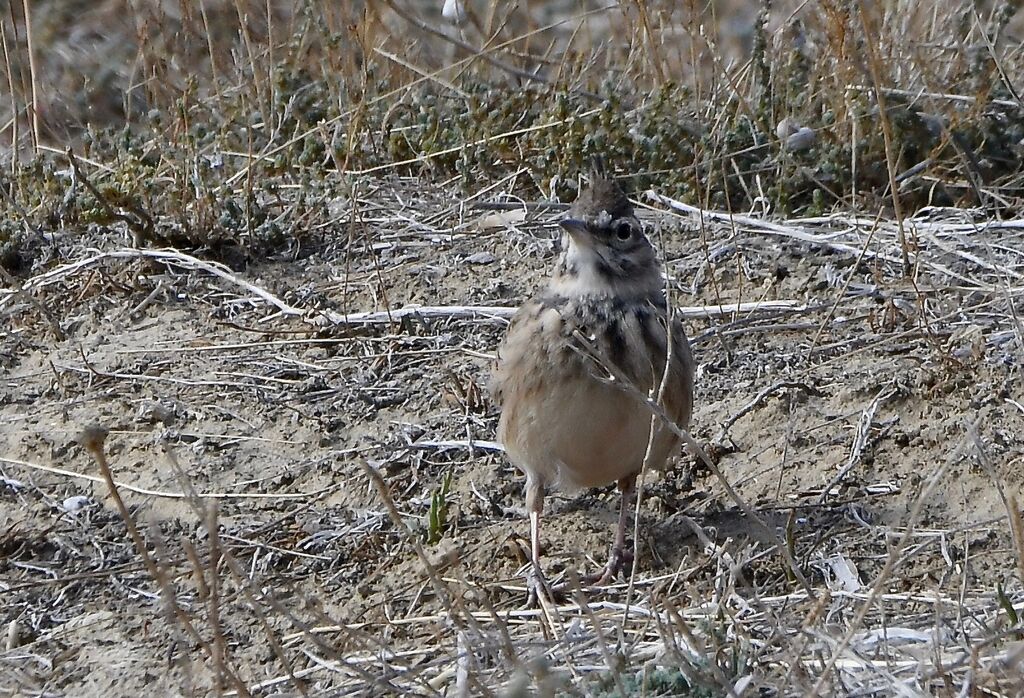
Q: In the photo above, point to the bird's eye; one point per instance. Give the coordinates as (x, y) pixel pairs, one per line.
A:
(623, 231)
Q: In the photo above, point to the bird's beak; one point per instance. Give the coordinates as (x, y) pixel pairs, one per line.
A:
(576, 227)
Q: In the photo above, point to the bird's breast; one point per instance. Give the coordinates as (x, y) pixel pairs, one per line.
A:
(564, 416)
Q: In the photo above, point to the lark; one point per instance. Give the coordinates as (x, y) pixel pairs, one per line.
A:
(580, 357)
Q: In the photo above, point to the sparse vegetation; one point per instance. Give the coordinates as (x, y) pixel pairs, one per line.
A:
(198, 200)
(213, 121)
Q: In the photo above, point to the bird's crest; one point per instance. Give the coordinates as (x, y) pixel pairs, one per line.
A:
(602, 194)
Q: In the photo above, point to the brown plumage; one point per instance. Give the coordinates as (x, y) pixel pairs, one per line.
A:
(564, 421)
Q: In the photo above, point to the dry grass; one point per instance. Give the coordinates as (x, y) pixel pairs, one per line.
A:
(190, 112)
(302, 495)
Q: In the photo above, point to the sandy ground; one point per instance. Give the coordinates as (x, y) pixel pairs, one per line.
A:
(914, 384)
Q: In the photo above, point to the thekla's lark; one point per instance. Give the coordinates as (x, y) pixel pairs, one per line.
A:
(580, 356)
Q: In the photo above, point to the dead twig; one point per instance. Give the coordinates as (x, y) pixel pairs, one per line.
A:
(867, 418)
(92, 438)
(139, 223)
(320, 317)
(159, 493)
(887, 569)
(762, 397)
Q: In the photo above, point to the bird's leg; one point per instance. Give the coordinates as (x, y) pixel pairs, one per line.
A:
(535, 580)
(619, 554)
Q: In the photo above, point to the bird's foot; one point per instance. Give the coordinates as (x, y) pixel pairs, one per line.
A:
(537, 587)
(541, 590)
(621, 558)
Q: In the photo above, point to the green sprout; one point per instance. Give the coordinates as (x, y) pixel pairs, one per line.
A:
(437, 516)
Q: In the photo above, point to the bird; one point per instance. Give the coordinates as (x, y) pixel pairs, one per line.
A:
(578, 360)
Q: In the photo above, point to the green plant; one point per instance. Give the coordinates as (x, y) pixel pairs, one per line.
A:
(437, 515)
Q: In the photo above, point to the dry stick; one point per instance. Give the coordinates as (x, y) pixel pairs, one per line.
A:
(743, 104)
(652, 434)
(145, 303)
(381, 290)
(192, 555)
(972, 658)
(1007, 83)
(457, 312)
(448, 601)
(867, 418)
(249, 167)
(180, 259)
(943, 228)
(271, 64)
(846, 284)
(695, 447)
(887, 137)
(1017, 531)
(161, 493)
(972, 258)
(261, 96)
(35, 584)
(504, 312)
(141, 227)
(507, 643)
(30, 47)
(584, 605)
(15, 135)
(765, 227)
(1009, 501)
(266, 155)
(797, 650)
(161, 553)
(412, 67)
(671, 639)
(481, 141)
(253, 595)
(655, 58)
(208, 517)
(986, 463)
(143, 377)
(199, 579)
(946, 96)
(353, 633)
(18, 291)
(214, 597)
(761, 397)
(215, 74)
(523, 615)
(887, 569)
(92, 439)
(697, 647)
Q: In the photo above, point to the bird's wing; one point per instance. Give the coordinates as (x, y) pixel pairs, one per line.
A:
(510, 354)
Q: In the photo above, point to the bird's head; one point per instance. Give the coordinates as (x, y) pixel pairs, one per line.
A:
(605, 249)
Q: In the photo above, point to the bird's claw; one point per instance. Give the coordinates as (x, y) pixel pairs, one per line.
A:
(537, 587)
(540, 589)
(618, 560)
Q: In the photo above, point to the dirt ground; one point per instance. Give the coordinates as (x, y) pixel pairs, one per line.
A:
(912, 385)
